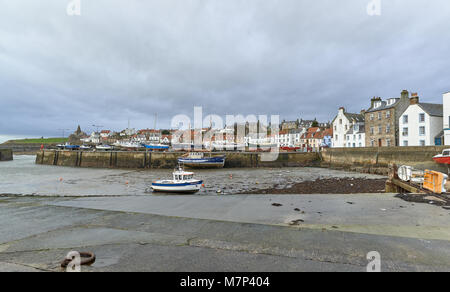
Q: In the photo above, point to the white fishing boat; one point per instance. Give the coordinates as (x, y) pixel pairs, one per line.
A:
(182, 182)
(104, 147)
(85, 147)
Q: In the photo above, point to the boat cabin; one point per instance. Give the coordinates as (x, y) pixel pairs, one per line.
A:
(182, 175)
(446, 152)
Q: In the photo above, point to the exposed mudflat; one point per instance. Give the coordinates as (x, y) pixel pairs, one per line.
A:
(347, 185)
(23, 177)
(435, 199)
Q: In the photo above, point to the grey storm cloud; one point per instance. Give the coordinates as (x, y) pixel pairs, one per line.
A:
(130, 59)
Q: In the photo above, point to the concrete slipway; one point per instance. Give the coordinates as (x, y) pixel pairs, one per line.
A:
(224, 233)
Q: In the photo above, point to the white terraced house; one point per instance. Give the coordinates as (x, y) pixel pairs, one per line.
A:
(420, 124)
(446, 118)
(344, 123)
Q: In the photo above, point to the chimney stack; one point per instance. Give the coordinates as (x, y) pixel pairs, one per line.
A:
(373, 100)
(414, 98)
(405, 94)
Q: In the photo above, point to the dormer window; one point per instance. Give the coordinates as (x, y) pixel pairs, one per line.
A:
(377, 104)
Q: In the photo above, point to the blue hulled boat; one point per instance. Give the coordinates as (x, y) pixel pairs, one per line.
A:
(199, 160)
(156, 147)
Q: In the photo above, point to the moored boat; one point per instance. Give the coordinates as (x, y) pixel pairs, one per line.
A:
(289, 148)
(156, 146)
(104, 147)
(85, 147)
(199, 160)
(443, 158)
(182, 182)
(67, 146)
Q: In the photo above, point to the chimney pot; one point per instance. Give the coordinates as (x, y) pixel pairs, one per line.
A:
(414, 99)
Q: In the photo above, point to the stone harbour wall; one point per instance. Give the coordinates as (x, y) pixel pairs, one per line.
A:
(377, 160)
(6, 154)
(135, 160)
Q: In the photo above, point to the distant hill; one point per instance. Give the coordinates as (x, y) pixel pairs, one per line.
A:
(38, 141)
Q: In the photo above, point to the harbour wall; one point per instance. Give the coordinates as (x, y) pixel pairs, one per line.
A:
(22, 148)
(377, 160)
(159, 160)
(6, 154)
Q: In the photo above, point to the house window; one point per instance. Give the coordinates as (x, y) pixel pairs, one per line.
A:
(422, 142)
(388, 128)
(405, 132)
(360, 145)
(379, 116)
(371, 117)
(422, 131)
(380, 129)
(421, 118)
(388, 114)
(388, 142)
(340, 121)
(372, 130)
(405, 119)
(372, 143)
(405, 143)
(359, 136)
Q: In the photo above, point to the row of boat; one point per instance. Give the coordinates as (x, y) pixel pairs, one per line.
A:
(103, 147)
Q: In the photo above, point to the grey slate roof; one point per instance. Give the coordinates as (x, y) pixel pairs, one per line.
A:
(355, 117)
(433, 109)
(361, 130)
(383, 106)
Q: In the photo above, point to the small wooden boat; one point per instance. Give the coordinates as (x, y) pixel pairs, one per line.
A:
(182, 182)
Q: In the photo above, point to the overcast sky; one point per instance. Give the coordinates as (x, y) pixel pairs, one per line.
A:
(130, 59)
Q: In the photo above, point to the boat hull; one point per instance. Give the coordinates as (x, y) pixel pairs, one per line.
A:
(179, 188)
(209, 162)
(442, 159)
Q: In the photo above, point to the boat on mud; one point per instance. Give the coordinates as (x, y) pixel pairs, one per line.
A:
(182, 182)
(104, 147)
(67, 146)
(200, 160)
(159, 147)
(443, 158)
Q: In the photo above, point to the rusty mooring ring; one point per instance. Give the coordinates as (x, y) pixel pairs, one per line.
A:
(87, 258)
